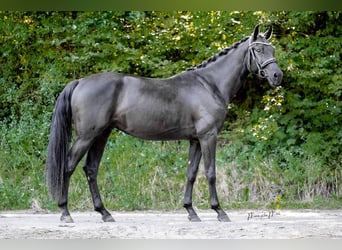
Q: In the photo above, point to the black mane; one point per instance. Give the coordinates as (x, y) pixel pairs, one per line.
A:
(214, 57)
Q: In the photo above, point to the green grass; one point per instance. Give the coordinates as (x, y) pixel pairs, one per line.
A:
(144, 175)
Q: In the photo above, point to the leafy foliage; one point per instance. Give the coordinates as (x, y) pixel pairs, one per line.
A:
(284, 142)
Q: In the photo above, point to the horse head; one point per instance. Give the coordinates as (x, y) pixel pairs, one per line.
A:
(261, 57)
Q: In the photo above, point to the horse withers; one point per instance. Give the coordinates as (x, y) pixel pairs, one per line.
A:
(189, 106)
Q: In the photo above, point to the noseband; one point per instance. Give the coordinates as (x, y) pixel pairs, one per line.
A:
(260, 65)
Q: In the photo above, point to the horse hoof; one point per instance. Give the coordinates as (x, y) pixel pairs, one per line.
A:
(194, 218)
(108, 218)
(223, 218)
(66, 219)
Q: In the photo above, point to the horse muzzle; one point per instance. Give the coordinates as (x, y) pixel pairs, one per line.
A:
(273, 74)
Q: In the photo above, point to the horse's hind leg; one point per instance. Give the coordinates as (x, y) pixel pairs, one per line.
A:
(91, 169)
(76, 153)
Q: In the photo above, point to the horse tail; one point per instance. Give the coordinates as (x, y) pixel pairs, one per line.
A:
(60, 137)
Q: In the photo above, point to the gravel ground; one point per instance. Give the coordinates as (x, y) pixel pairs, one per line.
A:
(245, 224)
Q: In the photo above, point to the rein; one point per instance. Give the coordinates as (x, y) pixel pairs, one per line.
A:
(261, 72)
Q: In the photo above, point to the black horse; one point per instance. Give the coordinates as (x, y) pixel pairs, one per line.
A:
(189, 106)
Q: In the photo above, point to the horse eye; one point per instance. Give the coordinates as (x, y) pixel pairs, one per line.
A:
(258, 50)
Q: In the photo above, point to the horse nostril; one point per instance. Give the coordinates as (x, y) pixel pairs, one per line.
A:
(275, 75)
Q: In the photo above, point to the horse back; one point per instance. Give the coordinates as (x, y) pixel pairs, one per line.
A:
(149, 108)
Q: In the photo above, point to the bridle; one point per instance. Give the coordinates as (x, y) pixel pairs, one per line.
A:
(260, 65)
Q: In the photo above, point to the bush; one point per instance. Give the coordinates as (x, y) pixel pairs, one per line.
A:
(276, 143)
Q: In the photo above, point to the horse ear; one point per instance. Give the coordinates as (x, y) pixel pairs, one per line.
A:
(256, 32)
(269, 32)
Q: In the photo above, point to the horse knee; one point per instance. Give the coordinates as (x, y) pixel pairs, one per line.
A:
(211, 180)
(90, 173)
(211, 177)
(191, 178)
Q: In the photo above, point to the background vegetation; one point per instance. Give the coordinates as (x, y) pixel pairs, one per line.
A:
(278, 147)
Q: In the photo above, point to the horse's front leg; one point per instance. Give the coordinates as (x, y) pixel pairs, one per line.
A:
(208, 146)
(193, 162)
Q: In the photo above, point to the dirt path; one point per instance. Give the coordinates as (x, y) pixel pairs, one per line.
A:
(286, 224)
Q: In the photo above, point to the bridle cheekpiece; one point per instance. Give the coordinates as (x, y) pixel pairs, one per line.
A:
(260, 65)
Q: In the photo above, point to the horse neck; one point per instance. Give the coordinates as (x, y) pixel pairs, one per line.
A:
(228, 72)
